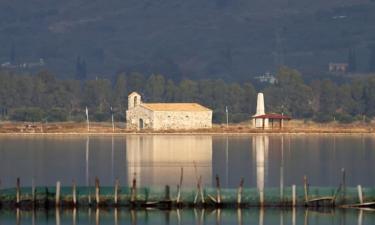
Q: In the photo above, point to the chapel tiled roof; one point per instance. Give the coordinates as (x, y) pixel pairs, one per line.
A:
(175, 107)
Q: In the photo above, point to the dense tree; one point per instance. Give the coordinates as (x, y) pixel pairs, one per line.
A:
(97, 95)
(170, 91)
(369, 96)
(120, 93)
(187, 91)
(136, 82)
(290, 95)
(249, 104)
(155, 87)
(43, 97)
(81, 69)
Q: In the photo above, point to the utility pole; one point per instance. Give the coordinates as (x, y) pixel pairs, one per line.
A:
(113, 123)
(226, 112)
(87, 120)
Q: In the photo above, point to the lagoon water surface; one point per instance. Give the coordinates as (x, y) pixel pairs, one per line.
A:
(155, 160)
(188, 217)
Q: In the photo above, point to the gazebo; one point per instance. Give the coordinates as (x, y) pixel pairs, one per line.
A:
(271, 120)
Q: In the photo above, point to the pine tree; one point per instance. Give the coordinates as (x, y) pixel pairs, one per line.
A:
(81, 70)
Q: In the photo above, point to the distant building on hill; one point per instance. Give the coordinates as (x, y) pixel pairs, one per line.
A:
(266, 78)
(338, 67)
(164, 116)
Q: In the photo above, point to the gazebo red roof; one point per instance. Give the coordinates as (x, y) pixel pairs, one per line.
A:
(273, 116)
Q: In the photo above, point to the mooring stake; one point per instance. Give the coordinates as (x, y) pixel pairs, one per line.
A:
(97, 216)
(239, 192)
(133, 196)
(74, 190)
(97, 191)
(360, 194)
(261, 198)
(89, 196)
(74, 216)
(201, 189)
(343, 185)
(305, 188)
(180, 186)
(167, 196)
(18, 191)
(294, 195)
(57, 197)
(33, 191)
(58, 220)
(218, 190)
(117, 185)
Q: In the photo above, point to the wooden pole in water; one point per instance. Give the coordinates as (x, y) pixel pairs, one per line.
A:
(294, 195)
(97, 191)
(360, 194)
(18, 217)
(167, 196)
(89, 195)
(343, 185)
(115, 215)
(58, 220)
(117, 185)
(239, 216)
(218, 190)
(179, 186)
(133, 196)
(239, 192)
(33, 191)
(97, 216)
(18, 191)
(201, 189)
(305, 188)
(74, 217)
(261, 198)
(74, 193)
(57, 197)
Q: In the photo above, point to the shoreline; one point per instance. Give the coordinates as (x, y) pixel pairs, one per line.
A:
(242, 129)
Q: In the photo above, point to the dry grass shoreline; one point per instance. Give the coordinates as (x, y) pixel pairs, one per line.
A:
(293, 127)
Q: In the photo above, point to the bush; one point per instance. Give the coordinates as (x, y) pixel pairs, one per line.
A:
(238, 117)
(322, 118)
(77, 116)
(344, 118)
(219, 117)
(101, 116)
(30, 114)
(57, 115)
(119, 117)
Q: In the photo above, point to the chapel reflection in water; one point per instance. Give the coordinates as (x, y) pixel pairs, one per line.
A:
(156, 160)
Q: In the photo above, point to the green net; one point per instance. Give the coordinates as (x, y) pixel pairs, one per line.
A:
(248, 196)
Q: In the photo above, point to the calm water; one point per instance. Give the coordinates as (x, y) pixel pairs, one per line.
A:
(264, 161)
(188, 217)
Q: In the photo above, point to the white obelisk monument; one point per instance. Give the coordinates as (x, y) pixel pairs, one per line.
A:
(258, 122)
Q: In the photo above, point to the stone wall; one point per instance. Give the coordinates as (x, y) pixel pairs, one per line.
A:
(164, 120)
(134, 115)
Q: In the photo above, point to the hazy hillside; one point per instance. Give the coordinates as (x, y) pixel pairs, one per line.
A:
(213, 38)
